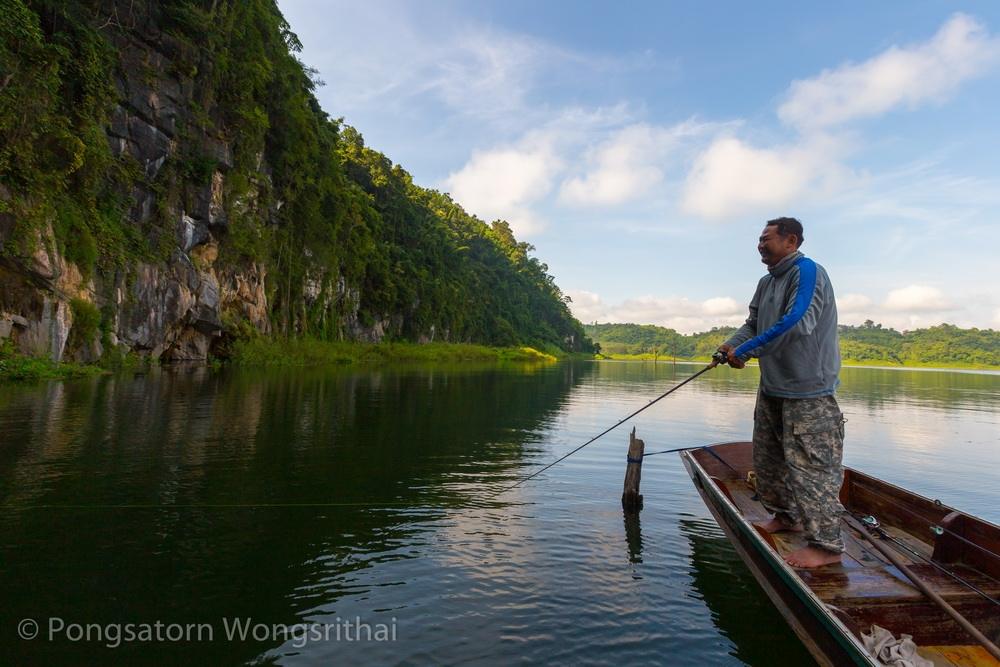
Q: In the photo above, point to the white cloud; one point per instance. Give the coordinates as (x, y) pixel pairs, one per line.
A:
(505, 181)
(917, 299)
(626, 165)
(586, 306)
(904, 309)
(854, 309)
(680, 313)
(853, 303)
(907, 308)
(723, 305)
(436, 62)
(469, 68)
(488, 73)
(731, 177)
(907, 76)
(925, 192)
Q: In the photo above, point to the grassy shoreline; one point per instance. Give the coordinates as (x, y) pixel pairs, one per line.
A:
(847, 363)
(305, 352)
(20, 368)
(15, 367)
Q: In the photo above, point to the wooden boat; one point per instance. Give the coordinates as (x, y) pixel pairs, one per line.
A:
(829, 607)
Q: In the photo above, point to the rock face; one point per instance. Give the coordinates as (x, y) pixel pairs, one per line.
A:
(35, 295)
(177, 308)
(190, 291)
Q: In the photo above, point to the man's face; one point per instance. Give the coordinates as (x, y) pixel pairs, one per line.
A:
(774, 247)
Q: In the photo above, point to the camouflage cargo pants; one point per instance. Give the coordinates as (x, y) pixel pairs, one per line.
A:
(798, 446)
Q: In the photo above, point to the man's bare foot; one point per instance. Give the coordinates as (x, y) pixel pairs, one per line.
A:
(777, 525)
(810, 557)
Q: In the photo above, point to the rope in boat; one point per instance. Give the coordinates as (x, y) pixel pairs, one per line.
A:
(674, 451)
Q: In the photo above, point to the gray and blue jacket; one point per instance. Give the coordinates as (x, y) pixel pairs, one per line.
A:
(792, 329)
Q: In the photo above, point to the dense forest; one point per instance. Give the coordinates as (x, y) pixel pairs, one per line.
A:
(868, 343)
(181, 139)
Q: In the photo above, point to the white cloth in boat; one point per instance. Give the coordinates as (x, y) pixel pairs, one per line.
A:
(888, 650)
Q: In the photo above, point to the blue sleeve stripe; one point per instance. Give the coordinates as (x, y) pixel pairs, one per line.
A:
(803, 297)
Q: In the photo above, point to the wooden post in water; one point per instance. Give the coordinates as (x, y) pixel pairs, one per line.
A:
(631, 498)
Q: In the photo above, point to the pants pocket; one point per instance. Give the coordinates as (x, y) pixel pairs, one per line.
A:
(820, 439)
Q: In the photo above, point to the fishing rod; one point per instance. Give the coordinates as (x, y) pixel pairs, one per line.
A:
(717, 358)
(873, 526)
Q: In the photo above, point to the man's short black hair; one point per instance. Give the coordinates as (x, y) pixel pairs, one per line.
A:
(788, 226)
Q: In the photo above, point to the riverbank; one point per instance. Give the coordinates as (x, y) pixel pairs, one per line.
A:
(847, 363)
(19, 368)
(16, 367)
(305, 352)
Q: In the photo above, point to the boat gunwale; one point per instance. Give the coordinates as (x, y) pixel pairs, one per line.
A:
(786, 573)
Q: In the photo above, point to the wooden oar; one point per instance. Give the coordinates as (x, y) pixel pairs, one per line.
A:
(924, 588)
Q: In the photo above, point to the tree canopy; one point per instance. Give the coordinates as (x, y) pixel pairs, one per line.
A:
(944, 344)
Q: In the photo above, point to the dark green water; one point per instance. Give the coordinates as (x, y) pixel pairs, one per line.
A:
(343, 498)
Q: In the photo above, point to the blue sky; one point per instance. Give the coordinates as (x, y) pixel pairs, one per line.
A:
(640, 147)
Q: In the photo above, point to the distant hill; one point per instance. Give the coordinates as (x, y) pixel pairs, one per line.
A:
(943, 345)
(636, 339)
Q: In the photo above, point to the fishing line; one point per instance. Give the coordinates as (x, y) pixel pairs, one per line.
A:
(712, 365)
(913, 552)
(164, 506)
(932, 525)
(716, 360)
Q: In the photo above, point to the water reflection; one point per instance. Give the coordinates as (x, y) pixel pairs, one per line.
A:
(739, 607)
(633, 536)
(878, 387)
(190, 495)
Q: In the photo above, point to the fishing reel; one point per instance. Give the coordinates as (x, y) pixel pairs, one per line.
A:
(720, 358)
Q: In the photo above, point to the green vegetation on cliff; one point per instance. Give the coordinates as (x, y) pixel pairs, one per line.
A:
(56, 94)
(349, 243)
(944, 345)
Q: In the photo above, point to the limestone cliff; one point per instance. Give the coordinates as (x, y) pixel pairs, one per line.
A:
(169, 174)
(172, 308)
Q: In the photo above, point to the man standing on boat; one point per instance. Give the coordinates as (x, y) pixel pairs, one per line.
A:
(798, 435)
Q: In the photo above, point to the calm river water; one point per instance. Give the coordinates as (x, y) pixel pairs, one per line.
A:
(362, 502)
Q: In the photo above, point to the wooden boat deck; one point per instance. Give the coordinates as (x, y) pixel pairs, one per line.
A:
(866, 588)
